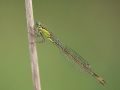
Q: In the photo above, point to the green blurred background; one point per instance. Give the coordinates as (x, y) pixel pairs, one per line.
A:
(91, 27)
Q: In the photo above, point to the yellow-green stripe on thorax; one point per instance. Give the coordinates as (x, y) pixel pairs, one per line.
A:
(46, 33)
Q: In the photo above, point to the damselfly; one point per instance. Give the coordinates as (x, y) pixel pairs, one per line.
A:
(42, 32)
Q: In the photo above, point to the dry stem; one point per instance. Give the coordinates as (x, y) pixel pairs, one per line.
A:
(32, 45)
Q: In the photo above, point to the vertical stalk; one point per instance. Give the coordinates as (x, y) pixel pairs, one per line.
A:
(32, 45)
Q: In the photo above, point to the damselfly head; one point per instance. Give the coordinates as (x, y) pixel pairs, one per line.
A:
(38, 24)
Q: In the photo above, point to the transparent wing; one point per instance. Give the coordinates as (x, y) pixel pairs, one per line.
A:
(75, 57)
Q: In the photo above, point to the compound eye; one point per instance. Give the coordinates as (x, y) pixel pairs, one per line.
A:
(38, 23)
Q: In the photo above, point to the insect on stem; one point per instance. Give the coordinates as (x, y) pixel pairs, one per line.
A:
(42, 32)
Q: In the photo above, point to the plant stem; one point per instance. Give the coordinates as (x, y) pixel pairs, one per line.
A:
(32, 45)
